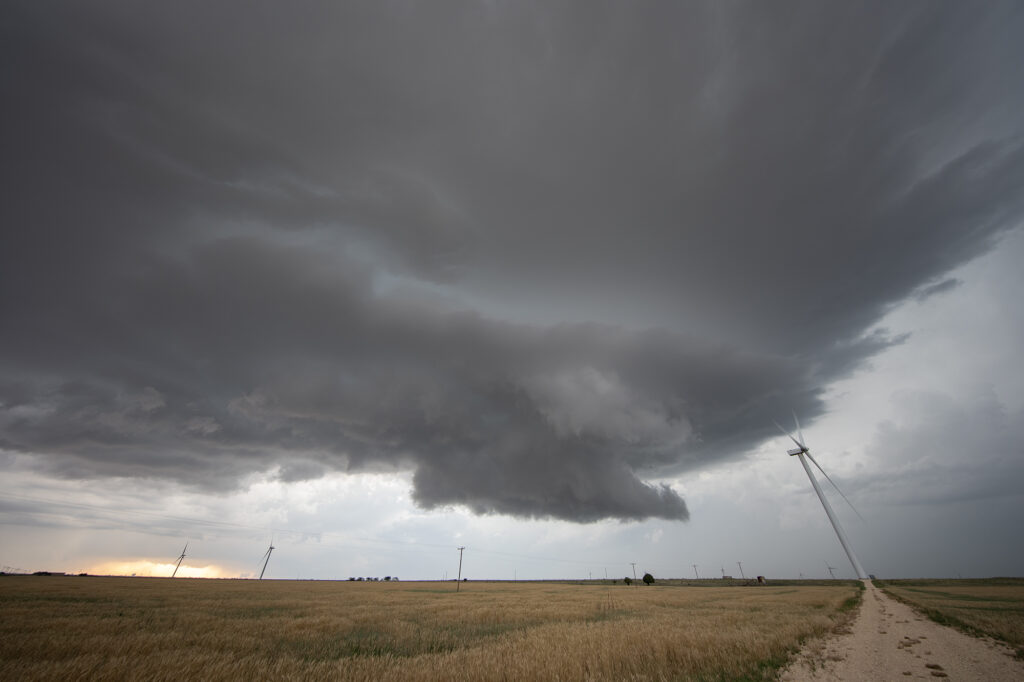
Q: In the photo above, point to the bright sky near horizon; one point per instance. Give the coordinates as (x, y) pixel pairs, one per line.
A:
(371, 281)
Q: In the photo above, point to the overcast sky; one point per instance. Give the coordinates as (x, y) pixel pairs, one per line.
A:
(373, 280)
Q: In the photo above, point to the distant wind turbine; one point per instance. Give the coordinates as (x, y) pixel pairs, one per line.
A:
(266, 559)
(831, 570)
(179, 560)
(802, 450)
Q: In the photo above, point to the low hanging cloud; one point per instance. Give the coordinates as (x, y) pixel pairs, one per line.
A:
(540, 256)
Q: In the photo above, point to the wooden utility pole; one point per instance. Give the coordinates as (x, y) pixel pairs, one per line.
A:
(633, 564)
(458, 581)
(695, 571)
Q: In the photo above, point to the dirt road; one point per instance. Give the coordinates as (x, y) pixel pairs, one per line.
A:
(890, 641)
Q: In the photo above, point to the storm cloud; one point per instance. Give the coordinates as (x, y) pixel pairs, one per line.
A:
(541, 255)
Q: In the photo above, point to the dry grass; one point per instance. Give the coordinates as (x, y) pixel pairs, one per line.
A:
(992, 607)
(153, 628)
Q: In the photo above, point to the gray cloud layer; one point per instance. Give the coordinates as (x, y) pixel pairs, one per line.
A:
(538, 254)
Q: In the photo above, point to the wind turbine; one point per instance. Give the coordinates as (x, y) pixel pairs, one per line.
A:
(801, 450)
(266, 558)
(179, 560)
(831, 570)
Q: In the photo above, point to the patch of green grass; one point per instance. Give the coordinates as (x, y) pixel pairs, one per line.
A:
(954, 596)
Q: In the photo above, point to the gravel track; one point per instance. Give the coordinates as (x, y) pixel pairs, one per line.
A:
(890, 641)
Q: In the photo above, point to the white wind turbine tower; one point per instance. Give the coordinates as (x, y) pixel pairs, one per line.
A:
(179, 560)
(802, 450)
(266, 559)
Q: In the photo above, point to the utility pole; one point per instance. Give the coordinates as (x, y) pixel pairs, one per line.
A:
(723, 572)
(695, 571)
(633, 564)
(459, 580)
(740, 564)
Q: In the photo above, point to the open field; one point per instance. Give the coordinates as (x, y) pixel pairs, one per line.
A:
(993, 606)
(120, 628)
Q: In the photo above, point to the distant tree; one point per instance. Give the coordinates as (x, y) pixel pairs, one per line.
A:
(351, 578)
(627, 580)
(648, 578)
(387, 578)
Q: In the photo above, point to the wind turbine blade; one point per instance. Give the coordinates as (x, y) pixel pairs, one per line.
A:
(811, 457)
(799, 431)
(789, 435)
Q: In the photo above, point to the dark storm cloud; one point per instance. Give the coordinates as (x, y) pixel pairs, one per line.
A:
(539, 255)
(929, 290)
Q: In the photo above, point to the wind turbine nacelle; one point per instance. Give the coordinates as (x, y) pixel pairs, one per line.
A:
(796, 451)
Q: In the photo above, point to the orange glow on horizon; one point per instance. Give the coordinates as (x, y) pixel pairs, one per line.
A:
(146, 568)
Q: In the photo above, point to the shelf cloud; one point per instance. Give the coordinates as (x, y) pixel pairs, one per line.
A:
(541, 256)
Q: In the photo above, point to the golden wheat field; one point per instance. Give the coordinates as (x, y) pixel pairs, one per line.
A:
(158, 628)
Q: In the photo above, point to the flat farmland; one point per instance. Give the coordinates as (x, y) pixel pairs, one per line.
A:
(992, 607)
(157, 628)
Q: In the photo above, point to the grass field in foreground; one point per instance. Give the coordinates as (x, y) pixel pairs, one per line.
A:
(121, 628)
(994, 606)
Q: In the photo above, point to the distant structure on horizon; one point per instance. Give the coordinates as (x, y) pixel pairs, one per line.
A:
(266, 559)
(178, 565)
